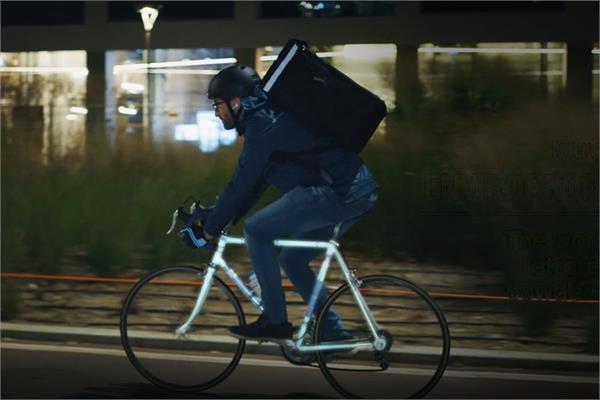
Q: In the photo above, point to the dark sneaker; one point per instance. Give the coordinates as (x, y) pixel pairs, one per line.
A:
(263, 330)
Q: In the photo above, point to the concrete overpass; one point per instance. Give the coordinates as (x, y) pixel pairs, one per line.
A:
(410, 24)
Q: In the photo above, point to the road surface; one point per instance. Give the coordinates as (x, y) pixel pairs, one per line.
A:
(48, 370)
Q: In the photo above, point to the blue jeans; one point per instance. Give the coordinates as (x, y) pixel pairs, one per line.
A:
(308, 213)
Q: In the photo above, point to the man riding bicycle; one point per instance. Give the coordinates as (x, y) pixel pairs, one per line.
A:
(322, 185)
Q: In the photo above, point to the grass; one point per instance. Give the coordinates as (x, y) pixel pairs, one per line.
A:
(452, 189)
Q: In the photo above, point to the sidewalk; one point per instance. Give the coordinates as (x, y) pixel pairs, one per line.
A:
(458, 356)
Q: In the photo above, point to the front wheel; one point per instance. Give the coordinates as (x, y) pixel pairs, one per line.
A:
(160, 303)
(413, 355)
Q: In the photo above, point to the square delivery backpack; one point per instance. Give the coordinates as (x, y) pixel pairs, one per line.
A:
(321, 97)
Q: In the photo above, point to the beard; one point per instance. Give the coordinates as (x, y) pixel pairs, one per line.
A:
(228, 124)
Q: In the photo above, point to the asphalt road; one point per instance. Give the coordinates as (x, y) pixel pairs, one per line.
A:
(36, 370)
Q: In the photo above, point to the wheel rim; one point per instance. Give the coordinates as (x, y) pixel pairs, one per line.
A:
(158, 304)
(420, 341)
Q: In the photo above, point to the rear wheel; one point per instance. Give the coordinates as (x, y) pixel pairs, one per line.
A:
(161, 302)
(412, 358)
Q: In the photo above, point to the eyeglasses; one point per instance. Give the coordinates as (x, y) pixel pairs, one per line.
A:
(216, 105)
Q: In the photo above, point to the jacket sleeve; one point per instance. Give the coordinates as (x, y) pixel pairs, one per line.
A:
(247, 183)
(257, 193)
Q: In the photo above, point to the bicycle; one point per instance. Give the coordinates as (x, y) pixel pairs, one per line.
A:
(173, 325)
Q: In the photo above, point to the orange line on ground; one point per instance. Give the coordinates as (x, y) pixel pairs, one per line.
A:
(68, 278)
(107, 280)
(288, 286)
(507, 298)
(477, 296)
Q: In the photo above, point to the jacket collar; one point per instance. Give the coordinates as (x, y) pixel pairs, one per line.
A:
(250, 106)
(255, 101)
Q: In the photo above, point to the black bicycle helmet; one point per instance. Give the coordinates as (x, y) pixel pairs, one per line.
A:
(235, 81)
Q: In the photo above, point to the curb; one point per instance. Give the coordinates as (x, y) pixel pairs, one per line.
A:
(458, 356)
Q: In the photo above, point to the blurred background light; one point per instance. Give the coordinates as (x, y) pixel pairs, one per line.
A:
(173, 71)
(79, 110)
(131, 87)
(127, 110)
(169, 64)
(187, 132)
(76, 71)
(208, 131)
(369, 51)
(489, 50)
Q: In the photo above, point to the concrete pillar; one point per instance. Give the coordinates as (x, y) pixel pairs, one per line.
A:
(159, 120)
(95, 100)
(245, 14)
(95, 16)
(544, 71)
(406, 80)
(247, 56)
(579, 70)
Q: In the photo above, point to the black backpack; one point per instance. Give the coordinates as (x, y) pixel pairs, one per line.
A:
(321, 97)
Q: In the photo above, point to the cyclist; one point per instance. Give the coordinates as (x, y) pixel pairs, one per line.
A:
(322, 184)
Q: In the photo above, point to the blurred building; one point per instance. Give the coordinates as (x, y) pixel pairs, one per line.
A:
(81, 66)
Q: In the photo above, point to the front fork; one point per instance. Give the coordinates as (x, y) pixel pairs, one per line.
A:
(208, 278)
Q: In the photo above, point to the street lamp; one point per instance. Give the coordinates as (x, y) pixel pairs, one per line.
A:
(149, 15)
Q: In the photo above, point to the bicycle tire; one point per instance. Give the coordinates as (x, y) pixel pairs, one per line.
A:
(164, 344)
(420, 321)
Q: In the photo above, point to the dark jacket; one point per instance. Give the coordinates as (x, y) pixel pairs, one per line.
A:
(278, 151)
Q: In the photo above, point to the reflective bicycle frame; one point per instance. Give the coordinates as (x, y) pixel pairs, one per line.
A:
(331, 249)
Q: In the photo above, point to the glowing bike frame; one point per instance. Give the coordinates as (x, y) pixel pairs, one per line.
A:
(331, 248)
